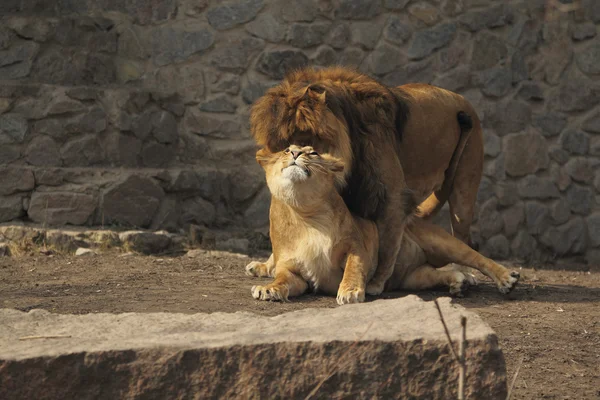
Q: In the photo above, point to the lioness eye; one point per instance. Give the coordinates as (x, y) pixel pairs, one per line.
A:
(314, 153)
(287, 150)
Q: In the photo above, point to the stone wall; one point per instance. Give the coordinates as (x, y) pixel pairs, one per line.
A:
(135, 113)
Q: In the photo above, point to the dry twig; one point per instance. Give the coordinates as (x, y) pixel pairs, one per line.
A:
(462, 369)
(460, 359)
(514, 380)
(437, 305)
(44, 337)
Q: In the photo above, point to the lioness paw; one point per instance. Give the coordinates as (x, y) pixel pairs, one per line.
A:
(460, 285)
(348, 296)
(508, 282)
(273, 293)
(374, 288)
(257, 269)
(466, 271)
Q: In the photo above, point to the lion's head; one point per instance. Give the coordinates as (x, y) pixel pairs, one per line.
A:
(338, 112)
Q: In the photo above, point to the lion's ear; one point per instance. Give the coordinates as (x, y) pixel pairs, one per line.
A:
(316, 92)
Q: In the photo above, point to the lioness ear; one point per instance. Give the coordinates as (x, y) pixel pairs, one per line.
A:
(333, 164)
(263, 157)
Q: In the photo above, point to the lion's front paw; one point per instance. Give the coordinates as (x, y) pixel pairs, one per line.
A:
(508, 281)
(374, 288)
(350, 295)
(273, 293)
(257, 269)
(460, 285)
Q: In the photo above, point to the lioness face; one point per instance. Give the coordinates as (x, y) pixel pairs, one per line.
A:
(300, 171)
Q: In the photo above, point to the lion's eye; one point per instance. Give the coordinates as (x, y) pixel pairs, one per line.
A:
(287, 150)
(313, 153)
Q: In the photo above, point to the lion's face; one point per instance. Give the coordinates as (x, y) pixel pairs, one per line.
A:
(300, 114)
(300, 174)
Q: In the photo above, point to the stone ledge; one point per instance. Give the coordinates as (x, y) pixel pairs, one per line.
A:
(386, 348)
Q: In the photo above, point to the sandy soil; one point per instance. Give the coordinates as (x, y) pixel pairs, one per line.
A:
(550, 325)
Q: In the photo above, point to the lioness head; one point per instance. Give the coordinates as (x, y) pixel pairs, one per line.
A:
(300, 175)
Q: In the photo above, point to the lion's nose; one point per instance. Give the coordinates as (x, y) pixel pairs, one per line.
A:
(296, 154)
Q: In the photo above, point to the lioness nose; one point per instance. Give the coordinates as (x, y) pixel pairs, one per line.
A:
(296, 154)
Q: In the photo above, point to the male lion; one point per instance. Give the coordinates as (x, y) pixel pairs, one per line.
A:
(413, 138)
(318, 243)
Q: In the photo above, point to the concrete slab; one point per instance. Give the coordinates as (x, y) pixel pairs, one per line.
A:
(382, 349)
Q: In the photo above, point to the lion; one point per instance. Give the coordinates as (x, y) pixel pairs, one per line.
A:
(319, 244)
(415, 138)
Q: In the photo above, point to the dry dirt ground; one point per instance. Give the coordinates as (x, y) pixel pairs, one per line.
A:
(550, 325)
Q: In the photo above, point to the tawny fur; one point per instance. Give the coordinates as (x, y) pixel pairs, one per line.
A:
(319, 244)
(392, 142)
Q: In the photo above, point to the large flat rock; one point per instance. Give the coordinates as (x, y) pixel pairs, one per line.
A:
(382, 349)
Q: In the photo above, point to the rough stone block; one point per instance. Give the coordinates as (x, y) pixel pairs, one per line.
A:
(575, 93)
(275, 64)
(365, 34)
(171, 45)
(357, 9)
(509, 116)
(488, 50)
(307, 35)
(13, 179)
(580, 169)
(491, 17)
(145, 242)
(61, 208)
(11, 207)
(395, 4)
(550, 124)
(43, 151)
(132, 202)
(490, 220)
(425, 13)
(298, 10)
(569, 238)
(13, 128)
(581, 199)
(593, 224)
(234, 55)
(219, 355)
(427, 41)
(231, 14)
(588, 58)
(534, 187)
(575, 141)
(525, 153)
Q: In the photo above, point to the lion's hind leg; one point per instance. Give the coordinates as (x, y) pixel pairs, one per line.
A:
(428, 277)
(261, 270)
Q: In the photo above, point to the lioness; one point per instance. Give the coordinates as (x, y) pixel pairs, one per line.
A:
(318, 243)
(419, 137)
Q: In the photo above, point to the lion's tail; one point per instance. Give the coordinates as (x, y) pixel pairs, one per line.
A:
(432, 205)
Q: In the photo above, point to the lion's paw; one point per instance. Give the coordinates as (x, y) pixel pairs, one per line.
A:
(374, 288)
(257, 269)
(508, 282)
(273, 293)
(460, 285)
(349, 296)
